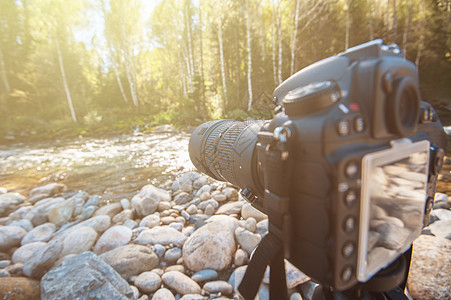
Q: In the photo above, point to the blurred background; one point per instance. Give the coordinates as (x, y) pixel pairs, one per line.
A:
(106, 67)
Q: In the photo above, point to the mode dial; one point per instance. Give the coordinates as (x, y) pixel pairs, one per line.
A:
(311, 98)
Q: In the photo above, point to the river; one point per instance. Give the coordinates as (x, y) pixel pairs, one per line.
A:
(113, 168)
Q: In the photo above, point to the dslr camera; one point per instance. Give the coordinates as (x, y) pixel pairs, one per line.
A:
(346, 170)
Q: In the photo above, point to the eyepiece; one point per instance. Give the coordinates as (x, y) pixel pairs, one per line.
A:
(404, 107)
(225, 150)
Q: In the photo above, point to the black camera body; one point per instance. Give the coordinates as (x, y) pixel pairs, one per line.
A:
(346, 169)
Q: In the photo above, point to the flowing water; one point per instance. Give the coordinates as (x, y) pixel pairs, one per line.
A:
(113, 168)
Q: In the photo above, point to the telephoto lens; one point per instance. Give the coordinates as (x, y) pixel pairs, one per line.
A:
(225, 150)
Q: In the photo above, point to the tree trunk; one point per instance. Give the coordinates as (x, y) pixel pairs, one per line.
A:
(3, 73)
(421, 40)
(295, 32)
(406, 30)
(348, 23)
(182, 75)
(249, 61)
(273, 35)
(221, 54)
(65, 84)
(119, 83)
(190, 45)
(130, 79)
(371, 19)
(202, 80)
(279, 34)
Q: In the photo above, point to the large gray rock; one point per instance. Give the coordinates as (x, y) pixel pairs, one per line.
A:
(41, 233)
(84, 276)
(110, 210)
(181, 283)
(42, 260)
(79, 241)
(212, 246)
(441, 229)
(112, 238)
(8, 203)
(430, 268)
(10, 236)
(130, 260)
(163, 235)
(45, 191)
(25, 252)
(146, 201)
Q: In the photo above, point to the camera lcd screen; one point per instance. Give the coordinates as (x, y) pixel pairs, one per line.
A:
(393, 197)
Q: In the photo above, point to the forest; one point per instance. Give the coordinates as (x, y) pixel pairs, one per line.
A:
(97, 67)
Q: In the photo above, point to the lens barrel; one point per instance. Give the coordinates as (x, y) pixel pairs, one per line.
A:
(225, 150)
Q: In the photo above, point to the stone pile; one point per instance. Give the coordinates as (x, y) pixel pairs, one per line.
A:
(192, 240)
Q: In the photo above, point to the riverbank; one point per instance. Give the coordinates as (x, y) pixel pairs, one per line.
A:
(190, 240)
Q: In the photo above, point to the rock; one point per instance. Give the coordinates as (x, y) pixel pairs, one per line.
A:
(192, 209)
(204, 204)
(164, 235)
(4, 263)
(146, 201)
(19, 288)
(205, 196)
(26, 251)
(135, 292)
(61, 213)
(194, 297)
(250, 224)
(16, 270)
(3, 190)
(172, 255)
(163, 294)
(159, 249)
(93, 201)
(247, 240)
(248, 211)
(430, 269)
(183, 179)
(24, 223)
(148, 282)
(218, 286)
(42, 260)
(41, 233)
(293, 275)
(230, 208)
(98, 223)
(441, 229)
(436, 215)
(183, 198)
(79, 241)
(131, 259)
(209, 210)
(441, 201)
(205, 275)
(112, 238)
(262, 227)
(181, 283)
(230, 193)
(178, 268)
(10, 236)
(236, 278)
(164, 205)
(220, 198)
(110, 210)
(295, 296)
(88, 211)
(45, 191)
(125, 203)
(123, 216)
(84, 276)
(167, 220)
(8, 203)
(212, 246)
(4, 273)
(241, 258)
(131, 224)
